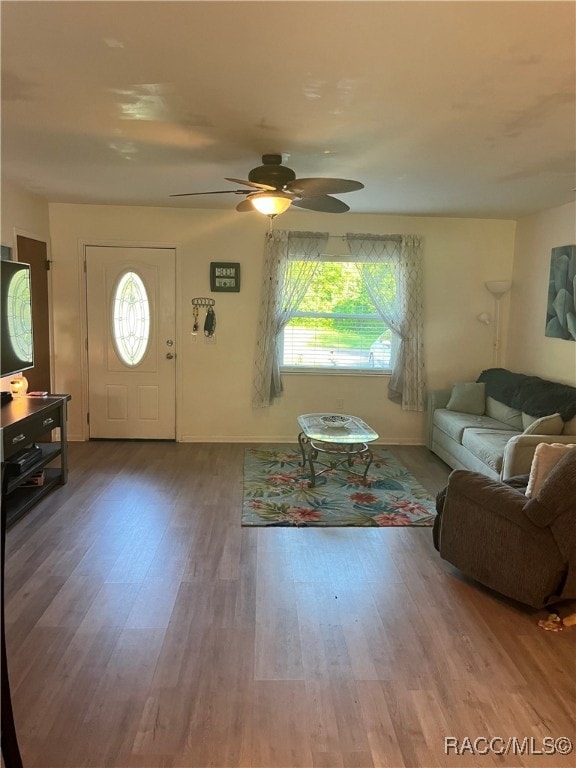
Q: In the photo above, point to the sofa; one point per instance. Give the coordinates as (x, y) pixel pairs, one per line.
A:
(521, 546)
(493, 425)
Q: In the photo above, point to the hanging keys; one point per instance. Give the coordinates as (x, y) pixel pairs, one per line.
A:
(210, 322)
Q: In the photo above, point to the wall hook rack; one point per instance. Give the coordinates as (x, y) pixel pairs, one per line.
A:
(200, 302)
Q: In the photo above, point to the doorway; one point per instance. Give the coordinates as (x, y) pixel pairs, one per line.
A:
(131, 342)
(34, 252)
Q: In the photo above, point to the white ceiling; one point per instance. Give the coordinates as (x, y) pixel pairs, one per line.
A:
(439, 108)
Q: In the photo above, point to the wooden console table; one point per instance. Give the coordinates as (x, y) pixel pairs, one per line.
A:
(26, 420)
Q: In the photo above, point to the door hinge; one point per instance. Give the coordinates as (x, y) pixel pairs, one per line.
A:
(48, 265)
(88, 418)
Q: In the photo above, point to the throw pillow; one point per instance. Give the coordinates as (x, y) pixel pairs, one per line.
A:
(555, 498)
(547, 425)
(546, 456)
(468, 397)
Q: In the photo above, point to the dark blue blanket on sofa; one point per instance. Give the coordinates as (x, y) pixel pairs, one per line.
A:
(530, 394)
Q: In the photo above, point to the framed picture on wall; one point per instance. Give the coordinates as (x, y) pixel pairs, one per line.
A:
(225, 276)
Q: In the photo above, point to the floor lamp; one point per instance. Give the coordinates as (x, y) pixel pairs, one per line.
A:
(497, 288)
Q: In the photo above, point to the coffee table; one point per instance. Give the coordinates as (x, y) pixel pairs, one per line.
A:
(337, 444)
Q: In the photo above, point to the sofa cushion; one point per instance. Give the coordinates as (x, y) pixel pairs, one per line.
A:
(527, 420)
(467, 397)
(512, 417)
(453, 424)
(487, 444)
(546, 457)
(546, 425)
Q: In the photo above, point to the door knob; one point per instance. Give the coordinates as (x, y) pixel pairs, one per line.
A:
(169, 356)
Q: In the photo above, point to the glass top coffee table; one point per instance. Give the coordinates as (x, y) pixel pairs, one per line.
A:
(338, 438)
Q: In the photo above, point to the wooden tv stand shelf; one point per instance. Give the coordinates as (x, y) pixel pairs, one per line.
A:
(26, 420)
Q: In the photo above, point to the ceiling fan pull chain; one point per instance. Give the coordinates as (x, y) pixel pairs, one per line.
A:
(210, 322)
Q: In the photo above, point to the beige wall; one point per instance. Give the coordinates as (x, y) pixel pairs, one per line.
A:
(214, 380)
(529, 350)
(22, 213)
(213, 397)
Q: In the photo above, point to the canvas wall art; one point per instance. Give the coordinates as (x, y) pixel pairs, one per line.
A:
(561, 310)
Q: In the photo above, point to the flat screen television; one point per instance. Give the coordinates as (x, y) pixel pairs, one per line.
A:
(17, 348)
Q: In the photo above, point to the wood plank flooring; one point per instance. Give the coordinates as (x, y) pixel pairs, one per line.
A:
(147, 629)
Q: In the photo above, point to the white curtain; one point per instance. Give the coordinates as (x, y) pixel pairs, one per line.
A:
(280, 299)
(385, 261)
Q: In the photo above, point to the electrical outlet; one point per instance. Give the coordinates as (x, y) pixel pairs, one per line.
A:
(340, 404)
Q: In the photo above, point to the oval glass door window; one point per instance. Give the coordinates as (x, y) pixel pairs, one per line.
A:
(130, 318)
(18, 312)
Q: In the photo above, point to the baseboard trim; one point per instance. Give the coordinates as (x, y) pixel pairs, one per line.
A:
(259, 439)
(280, 439)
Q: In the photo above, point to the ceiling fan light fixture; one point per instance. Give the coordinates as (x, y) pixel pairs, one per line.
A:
(271, 204)
(272, 188)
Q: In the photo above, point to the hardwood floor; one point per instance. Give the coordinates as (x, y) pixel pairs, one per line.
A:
(147, 629)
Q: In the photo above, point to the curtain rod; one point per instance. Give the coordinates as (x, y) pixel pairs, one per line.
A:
(367, 237)
(344, 238)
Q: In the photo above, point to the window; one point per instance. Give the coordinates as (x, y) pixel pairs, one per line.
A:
(19, 315)
(391, 271)
(336, 325)
(131, 319)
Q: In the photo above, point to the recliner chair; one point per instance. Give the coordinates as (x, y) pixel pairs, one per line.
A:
(523, 548)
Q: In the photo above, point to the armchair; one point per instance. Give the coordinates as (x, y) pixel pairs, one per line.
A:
(523, 548)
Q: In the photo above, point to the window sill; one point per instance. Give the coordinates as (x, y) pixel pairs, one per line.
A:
(335, 372)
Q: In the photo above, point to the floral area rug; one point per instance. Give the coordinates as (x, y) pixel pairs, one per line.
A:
(276, 492)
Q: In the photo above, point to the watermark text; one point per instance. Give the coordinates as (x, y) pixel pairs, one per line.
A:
(507, 745)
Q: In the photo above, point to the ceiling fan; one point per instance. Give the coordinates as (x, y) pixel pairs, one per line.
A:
(273, 188)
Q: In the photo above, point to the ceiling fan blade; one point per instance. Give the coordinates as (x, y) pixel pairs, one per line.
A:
(218, 192)
(245, 206)
(265, 187)
(323, 203)
(315, 187)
